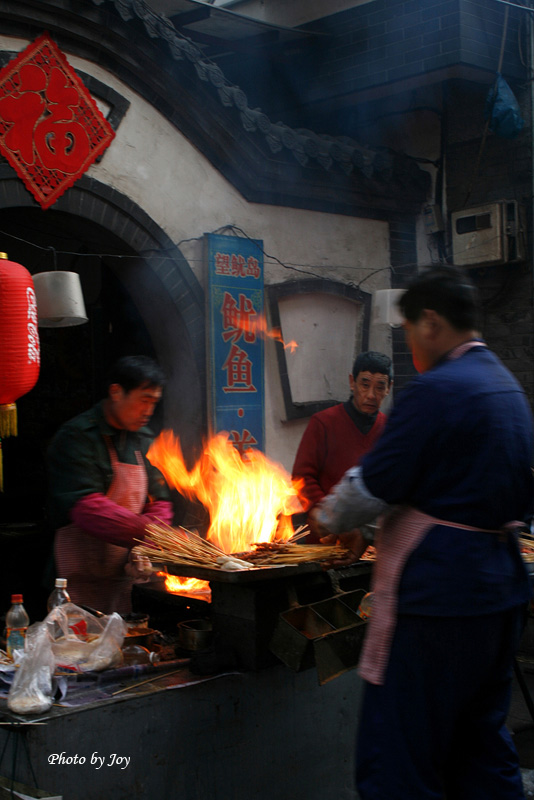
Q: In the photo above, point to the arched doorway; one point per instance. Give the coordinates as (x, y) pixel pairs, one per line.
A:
(130, 286)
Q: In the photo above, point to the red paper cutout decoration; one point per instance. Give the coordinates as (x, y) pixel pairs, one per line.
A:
(51, 130)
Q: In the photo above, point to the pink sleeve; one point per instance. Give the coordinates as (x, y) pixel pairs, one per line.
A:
(99, 516)
(159, 511)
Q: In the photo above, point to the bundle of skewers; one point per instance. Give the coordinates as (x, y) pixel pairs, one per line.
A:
(164, 543)
(291, 551)
(182, 546)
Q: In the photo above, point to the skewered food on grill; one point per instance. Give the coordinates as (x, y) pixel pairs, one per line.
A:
(181, 546)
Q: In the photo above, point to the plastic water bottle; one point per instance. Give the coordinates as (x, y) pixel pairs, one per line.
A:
(17, 622)
(59, 595)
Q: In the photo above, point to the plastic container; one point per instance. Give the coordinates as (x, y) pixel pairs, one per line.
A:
(17, 622)
(135, 619)
(135, 654)
(366, 606)
(59, 595)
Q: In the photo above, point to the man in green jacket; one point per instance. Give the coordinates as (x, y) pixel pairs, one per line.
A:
(104, 491)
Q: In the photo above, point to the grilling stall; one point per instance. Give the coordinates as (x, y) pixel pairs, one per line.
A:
(237, 663)
(270, 593)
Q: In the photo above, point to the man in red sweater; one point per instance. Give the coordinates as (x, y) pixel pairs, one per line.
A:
(337, 438)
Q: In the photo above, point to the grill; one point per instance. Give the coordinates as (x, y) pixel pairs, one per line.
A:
(249, 609)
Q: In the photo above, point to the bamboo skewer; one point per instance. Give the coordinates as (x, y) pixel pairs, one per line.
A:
(299, 533)
(150, 680)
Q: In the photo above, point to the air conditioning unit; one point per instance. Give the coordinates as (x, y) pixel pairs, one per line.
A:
(491, 234)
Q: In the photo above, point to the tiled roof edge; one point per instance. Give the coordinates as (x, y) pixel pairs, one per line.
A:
(304, 145)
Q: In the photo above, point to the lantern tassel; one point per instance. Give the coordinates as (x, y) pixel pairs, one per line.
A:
(8, 420)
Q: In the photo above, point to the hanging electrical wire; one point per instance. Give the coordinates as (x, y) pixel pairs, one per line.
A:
(164, 254)
(514, 5)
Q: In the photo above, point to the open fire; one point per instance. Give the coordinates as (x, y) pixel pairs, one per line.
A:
(250, 499)
(260, 328)
(192, 587)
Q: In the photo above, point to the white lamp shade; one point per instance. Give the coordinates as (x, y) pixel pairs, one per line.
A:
(60, 301)
(385, 310)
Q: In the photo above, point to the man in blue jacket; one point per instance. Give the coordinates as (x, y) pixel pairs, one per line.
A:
(451, 478)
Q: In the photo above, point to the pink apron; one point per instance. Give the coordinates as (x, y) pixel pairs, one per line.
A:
(94, 568)
(401, 531)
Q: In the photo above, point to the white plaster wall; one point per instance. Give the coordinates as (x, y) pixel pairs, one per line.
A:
(152, 163)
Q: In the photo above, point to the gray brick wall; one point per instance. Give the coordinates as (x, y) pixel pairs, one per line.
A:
(387, 40)
(402, 243)
(504, 172)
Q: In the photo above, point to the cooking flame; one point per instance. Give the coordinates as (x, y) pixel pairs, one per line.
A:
(251, 325)
(193, 587)
(261, 328)
(249, 499)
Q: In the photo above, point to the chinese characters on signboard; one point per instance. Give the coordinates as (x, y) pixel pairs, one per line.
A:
(51, 130)
(235, 267)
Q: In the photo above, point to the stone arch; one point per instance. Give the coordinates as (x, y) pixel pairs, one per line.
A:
(160, 283)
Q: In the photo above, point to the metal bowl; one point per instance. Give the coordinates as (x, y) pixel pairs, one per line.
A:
(195, 634)
(141, 636)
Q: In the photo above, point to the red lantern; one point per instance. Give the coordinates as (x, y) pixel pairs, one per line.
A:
(19, 342)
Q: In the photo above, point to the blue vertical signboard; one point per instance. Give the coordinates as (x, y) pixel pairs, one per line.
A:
(236, 351)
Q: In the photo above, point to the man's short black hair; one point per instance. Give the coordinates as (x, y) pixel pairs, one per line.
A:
(372, 361)
(446, 290)
(132, 372)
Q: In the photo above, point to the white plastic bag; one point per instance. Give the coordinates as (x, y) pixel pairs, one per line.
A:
(528, 782)
(31, 690)
(83, 642)
(71, 639)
